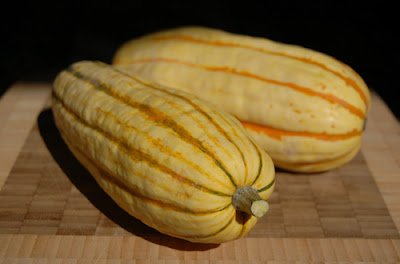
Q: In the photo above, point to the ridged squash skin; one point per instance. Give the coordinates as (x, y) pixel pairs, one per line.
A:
(166, 157)
(305, 108)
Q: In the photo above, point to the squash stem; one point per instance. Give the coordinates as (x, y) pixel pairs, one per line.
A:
(247, 199)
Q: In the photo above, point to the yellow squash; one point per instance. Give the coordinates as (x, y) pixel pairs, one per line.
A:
(167, 158)
(305, 108)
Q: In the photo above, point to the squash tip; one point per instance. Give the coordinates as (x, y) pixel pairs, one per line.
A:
(246, 199)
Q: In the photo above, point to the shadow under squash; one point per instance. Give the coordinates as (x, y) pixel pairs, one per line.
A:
(86, 184)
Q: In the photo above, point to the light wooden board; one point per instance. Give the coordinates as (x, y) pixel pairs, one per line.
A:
(51, 209)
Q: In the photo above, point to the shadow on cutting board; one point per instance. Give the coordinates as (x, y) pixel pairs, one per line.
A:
(86, 184)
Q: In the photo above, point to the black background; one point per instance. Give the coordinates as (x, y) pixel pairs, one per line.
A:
(41, 38)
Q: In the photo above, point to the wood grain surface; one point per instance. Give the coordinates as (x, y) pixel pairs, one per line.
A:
(52, 211)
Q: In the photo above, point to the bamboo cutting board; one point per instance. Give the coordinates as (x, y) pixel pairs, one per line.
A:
(52, 211)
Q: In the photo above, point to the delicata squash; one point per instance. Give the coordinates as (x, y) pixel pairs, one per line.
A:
(167, 158)
(305, 108)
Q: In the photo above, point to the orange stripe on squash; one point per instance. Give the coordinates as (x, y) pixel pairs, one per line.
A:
(347, 80)
(327, 97)
(278, 134)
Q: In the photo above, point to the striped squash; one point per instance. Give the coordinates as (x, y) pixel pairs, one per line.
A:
(305, 108)
(167, 158)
